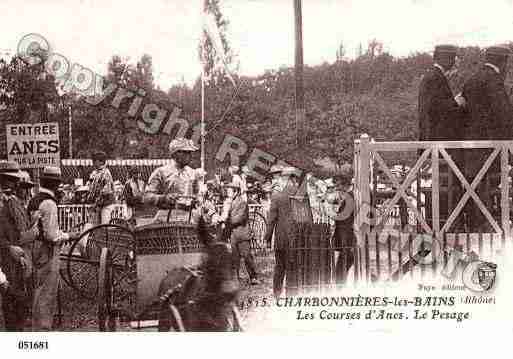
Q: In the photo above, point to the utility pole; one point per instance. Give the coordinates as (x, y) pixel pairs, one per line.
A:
(298, 74)
(70, 132)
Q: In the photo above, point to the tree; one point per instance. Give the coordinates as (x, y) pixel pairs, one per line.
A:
(374, 48)
(341, 52)
(29, 95)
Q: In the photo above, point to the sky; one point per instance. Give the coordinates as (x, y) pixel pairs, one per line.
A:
(261, 32)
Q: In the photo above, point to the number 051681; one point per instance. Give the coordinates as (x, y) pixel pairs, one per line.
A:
(29, 345)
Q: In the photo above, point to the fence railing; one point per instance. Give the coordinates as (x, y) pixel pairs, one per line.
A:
(430, 155)
(73, 217)
(384, 249)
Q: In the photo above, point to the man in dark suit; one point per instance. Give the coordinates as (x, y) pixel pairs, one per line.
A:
(439, 113)
(490, 116)
(280, 222)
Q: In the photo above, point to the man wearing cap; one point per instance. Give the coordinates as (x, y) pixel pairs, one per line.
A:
(16, 235)
(439, 113)
(101, 188)
(344, 241)
(46, 250)
(235, 217)
(170, 182)
(24, 188)
(280, 222)
(237, 178)
(490, 115)
(276, 178)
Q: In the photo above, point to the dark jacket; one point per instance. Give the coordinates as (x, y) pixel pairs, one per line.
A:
(344, 223)
(239, 212)
(279, 220)
(490, 113)
(439, 114)
(238, 220)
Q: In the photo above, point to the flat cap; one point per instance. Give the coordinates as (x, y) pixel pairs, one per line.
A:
(99, 156)
(451, 49)
(498, 51)
(182, 144)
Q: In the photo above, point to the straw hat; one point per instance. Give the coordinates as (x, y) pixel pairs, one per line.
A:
(291, 172)
(10, 169)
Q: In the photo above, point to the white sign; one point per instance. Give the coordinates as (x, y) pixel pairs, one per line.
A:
(34, 145)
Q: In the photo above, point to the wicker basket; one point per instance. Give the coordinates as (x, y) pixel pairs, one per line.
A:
(168, 238)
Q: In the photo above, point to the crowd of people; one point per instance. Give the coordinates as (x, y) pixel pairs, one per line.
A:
(30, 241)
(30, 237)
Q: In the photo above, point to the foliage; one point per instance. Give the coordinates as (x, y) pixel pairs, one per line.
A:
(374, 93)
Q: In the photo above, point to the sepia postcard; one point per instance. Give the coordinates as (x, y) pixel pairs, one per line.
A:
(268, 167)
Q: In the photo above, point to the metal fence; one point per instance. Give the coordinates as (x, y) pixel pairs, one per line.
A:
(73, 217)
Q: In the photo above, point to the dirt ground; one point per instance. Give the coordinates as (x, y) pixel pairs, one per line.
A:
(79, 314)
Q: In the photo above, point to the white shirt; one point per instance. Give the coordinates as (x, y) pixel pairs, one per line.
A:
(50, 218)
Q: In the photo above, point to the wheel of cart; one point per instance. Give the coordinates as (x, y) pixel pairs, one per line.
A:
(158, 261)
(187, 304)
(172, 287)
(105, 298)
(100, 266)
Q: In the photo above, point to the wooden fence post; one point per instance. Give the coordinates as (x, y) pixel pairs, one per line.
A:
(364, 183)
(505, 191)
(362, 193)
(435, 192)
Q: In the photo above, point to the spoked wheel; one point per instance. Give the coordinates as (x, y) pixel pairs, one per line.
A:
(84, 257)
(257, 226)
(105, 299)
